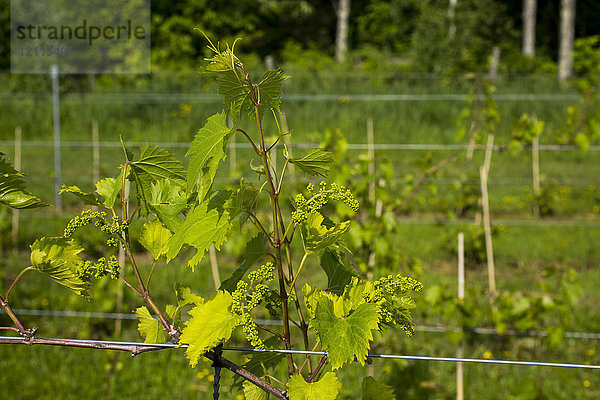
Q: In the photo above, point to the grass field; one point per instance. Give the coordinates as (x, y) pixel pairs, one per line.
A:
(523, 245)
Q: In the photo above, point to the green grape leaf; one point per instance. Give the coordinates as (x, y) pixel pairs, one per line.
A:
(155, 238)
(58, 258)
(221, 62)
(348, 337)
(373, 389)
(236, 92)
(253, 392)
(153, 165)
(271, 88)
(255, 251)
(91, 199)
(167, 201)
(201, 229)
(13, 190)
(317, 236)
(210, 324)
(339, 274)
(206, 152)
(186, 297)
(315, 162)
(109, 189)
(149, 327)
(327, 388)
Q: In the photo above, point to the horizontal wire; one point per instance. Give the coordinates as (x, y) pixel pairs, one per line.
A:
(323, 353)
(351, 146)
(275, 322)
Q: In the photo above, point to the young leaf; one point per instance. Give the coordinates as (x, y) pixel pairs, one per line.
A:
(315, 162)
(271, 88)
(255, 250)
(109, 189)
(237, 94)
(210, 324)
(153, 165)
(91, 199)
(372, 389)
(339, 274)
(317, 236)
(167, 201)
(206, 152)
(325, 389)
(149, 327)
(186, 297)
(348, 337)
(253, 392)
(57, 257)
(201, 229)
(13, 191)
(155, 238)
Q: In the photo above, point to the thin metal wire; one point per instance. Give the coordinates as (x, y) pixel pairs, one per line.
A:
(322, 353)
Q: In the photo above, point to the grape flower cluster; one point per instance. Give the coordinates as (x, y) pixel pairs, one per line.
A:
(98, 269)
(391, 293)
(99, 218)
(247, 296)
(304, 206)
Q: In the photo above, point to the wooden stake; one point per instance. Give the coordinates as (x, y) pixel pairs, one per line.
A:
(214, 267)
(486, 217)
(95, 152)
(15, 212)
(461, 295)
(535, 166)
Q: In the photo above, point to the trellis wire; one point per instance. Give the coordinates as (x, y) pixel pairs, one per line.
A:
(274, 322)
(17, 340)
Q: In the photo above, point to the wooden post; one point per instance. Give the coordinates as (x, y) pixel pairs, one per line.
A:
(95, 152)
(461, 295)
(15, 212)
(535, 166)
(214, 266)
(484, 171)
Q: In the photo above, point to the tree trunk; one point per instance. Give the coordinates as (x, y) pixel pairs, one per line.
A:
(451, 12)
(567, 36)
(529, 18)
(341, 37)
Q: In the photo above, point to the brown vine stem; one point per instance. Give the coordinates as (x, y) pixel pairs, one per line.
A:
(320, 365)
(136, 349)
(15, 282)
(9, 311)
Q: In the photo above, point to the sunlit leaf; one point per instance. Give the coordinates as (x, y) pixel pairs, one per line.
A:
(201, 229)
(58, 258)
(109, 189)
(210, 324)
(91, 199)
(345, 338)
(13, 190)
(206, 152)
(315, 162)
(186, 297)
(149, 327)
(317, 236)
(271, 88)
(155, 238)
(327, 388)
(167, 201)
(253, 392)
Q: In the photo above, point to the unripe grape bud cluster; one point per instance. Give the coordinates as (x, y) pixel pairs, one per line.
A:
(98, 269)
(391, 294)
(99, 218)
(304, 206)
(248, 296)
